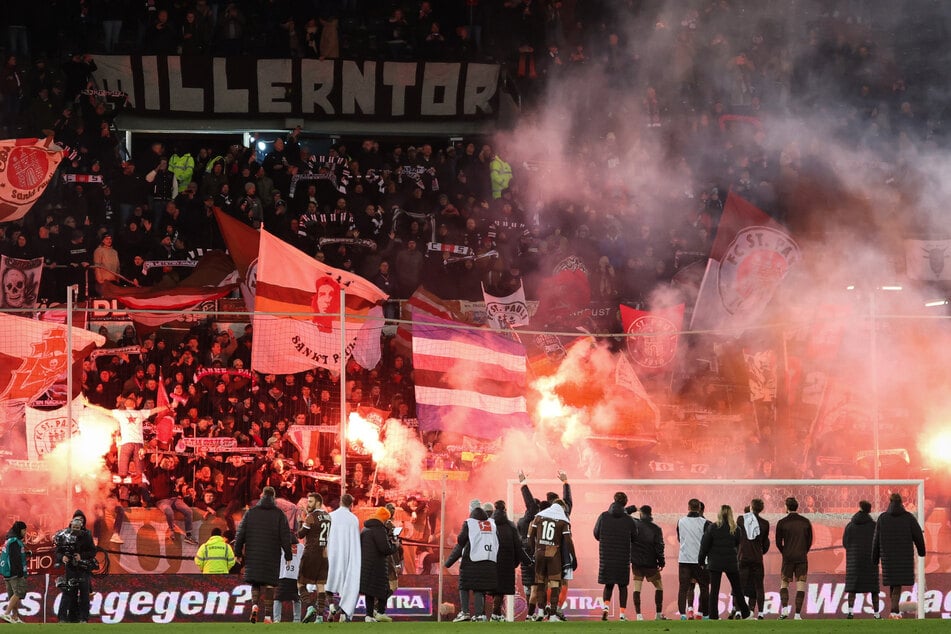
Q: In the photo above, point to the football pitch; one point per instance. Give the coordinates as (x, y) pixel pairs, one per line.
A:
(407, 627)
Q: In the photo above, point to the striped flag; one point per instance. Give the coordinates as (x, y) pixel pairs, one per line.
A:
(470, 381)
(423, 304)
(297, 311)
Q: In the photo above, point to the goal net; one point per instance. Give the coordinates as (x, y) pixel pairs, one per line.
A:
(829, 505)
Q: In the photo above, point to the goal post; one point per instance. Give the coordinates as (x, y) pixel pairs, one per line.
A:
(829, 505)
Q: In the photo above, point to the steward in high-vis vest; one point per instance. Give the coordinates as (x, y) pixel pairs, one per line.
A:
(215, 556)
(182, 165)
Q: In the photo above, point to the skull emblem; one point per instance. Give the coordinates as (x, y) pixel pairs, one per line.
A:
(14, 288)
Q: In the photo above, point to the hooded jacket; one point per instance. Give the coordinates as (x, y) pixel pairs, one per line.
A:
(861, 575)
(375, 547)
(648, 548)
(262, 538)
(897, 536)
(615, 532)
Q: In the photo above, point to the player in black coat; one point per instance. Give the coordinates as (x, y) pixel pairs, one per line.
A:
(861, 575)
(615, 532)
(897, 536)
(511, 554)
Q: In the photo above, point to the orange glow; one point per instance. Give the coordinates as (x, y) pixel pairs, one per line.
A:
(85, 450)
(362, 432)
(937, 448)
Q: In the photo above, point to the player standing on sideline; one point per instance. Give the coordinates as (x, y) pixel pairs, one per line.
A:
(615, 532)
(315, 531)
(263, 535)
(344, 556)
(754, 543)
(550, 539)
(647, 561)
(897, 535)
(793, 539)
(690, 529)
(861, 573)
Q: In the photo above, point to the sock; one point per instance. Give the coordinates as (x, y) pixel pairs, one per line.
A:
(783, 598)
(321, 602)
(532, 608)
(800, 597)
(278, 610)
(497, 605)
(622, 597)
(479, 604)
(637, 601)
(895, 596)
(659, 600)
(297, 606)
(464, 601)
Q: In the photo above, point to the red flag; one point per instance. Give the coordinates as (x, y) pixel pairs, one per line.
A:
(566, 293)
(243, 242)
(26, 168)
(652, 335)
(212, 279)
(33, 355)
(750, 257)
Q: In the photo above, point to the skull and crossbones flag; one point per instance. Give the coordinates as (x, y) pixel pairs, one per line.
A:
(19, 282)
(26, 168)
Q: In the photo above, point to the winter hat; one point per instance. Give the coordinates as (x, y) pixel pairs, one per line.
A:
(80, 514)
(489, 508)
(474, 504)
(381, 514)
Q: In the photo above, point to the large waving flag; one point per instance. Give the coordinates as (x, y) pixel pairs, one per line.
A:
(304, 293)
(213, 278)
(653, 335)
(750, 257)
(26, 168)
(242, 241)
(471, 381)
(33, 355)
(423, 303)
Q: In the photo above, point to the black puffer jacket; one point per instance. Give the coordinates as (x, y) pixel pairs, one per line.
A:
(897, 535)
(861, 575)
(648, 548)
(375, 547)
(473, 575)
(511, 553)
(263, 536)
(718, 548)
(615, 532)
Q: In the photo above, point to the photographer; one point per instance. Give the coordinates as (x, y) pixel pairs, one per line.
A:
(76, 551)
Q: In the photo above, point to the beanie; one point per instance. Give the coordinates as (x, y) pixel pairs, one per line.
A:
(381, 514)
(474, 504)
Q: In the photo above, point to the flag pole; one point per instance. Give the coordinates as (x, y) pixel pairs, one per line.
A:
(69, 393)
(343, 392)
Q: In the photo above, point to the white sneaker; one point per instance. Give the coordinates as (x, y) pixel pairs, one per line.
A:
(554, 618)
(370, 619)
(623, 617)
(462, 616)
(498, 617)
(639, 617)
(7, 617)
(481, 617)
(798, 617)
(382, 618)
(116, 539)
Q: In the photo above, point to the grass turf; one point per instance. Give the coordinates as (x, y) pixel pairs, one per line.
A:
(677, 627)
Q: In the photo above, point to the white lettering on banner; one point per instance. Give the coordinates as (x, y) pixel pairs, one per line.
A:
(327, 88)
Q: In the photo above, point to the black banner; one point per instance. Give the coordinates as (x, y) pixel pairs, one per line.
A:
(309, 88)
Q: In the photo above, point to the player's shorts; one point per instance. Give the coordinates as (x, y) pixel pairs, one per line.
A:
(548, 568)
(797, 571)
(16, 586)
(651, 574)
(314, 566)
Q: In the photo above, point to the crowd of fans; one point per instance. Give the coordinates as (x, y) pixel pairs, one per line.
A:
(703, 114)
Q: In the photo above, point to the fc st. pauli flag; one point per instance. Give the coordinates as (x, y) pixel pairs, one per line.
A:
(652, 343)
(26, 168)
(297, 323)
(750, 257)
